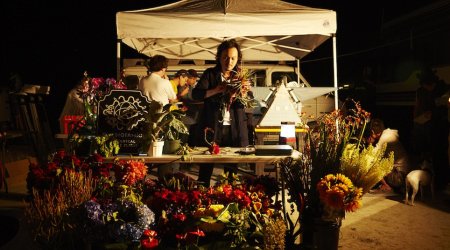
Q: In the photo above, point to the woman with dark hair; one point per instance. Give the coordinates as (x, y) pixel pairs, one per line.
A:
(221, 113)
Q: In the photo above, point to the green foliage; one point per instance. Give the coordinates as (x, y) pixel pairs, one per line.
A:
(106, 145)
(163, 123)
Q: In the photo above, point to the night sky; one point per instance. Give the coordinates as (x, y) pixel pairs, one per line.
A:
(52, 43)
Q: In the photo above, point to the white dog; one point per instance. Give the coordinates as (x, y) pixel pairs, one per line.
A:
(418, 179)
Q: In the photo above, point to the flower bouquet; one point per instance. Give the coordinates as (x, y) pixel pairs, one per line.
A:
(334, 171)
(237, 91)
(338, 195)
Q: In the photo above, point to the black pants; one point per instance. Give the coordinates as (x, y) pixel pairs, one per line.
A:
(206, 169)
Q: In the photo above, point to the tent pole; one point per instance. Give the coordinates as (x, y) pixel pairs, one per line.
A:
(298, 71)
(336, 97)
(118, 61)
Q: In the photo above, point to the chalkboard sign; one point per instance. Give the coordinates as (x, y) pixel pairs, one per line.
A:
(121, 112)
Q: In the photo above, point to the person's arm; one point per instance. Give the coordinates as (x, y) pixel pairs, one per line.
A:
(217, 90)
(183, 93)
(204, 88)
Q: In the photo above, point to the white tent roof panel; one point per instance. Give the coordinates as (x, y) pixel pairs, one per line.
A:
(192, 29)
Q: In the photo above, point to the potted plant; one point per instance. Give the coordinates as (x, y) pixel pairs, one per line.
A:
(163, 126)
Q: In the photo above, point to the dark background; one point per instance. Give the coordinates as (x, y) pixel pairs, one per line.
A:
(53, 43)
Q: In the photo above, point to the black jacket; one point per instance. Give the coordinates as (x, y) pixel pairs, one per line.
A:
(212, 110)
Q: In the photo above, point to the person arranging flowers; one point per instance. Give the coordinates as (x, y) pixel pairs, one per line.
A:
(224, 91)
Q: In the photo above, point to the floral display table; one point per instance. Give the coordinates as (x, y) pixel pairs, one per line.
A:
(201, 155)
(226, 155)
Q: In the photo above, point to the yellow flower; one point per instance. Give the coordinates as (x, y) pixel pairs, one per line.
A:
(215, 209)
(257, 206)
(358, 192)
(329, 178)
(270, 212)
(342, 187)
(254, 196)
(342, 178)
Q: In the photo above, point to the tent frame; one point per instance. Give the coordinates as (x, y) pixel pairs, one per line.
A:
(222, 16)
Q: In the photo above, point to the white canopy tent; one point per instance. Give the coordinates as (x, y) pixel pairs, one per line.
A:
(267, 30)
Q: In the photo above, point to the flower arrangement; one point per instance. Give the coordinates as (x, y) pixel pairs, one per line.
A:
(78, 202)
(336, 168)
(366, 167)
(218, 217)
(338, 195)
(95, 88)
(84, 134)
(237, 90)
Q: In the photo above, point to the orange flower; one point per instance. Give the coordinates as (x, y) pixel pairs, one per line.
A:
(257, 207)
(353, 205)
(335, 198)
(322, 187)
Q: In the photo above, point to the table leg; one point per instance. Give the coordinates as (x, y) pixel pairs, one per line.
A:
(283, 195)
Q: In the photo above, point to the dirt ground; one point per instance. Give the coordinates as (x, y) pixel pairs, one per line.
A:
(385, 222)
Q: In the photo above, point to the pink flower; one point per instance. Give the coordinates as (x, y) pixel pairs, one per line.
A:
(97, 82)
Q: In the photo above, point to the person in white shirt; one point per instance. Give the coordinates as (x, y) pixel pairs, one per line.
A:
(157, 86)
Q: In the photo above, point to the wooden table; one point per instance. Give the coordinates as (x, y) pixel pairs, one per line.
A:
(201, 155)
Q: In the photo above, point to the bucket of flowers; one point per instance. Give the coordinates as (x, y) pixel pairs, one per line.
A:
(336, 168)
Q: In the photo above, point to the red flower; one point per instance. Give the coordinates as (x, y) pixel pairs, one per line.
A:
(51, 167)
(149, 243)
(180, 237)
(195, 197)
(180, 217)
(97, 82)
(227, 190)
(149, 233)
(198, 233)
(130, 171)
(214, 149)
(181, 197)
(60, 154)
